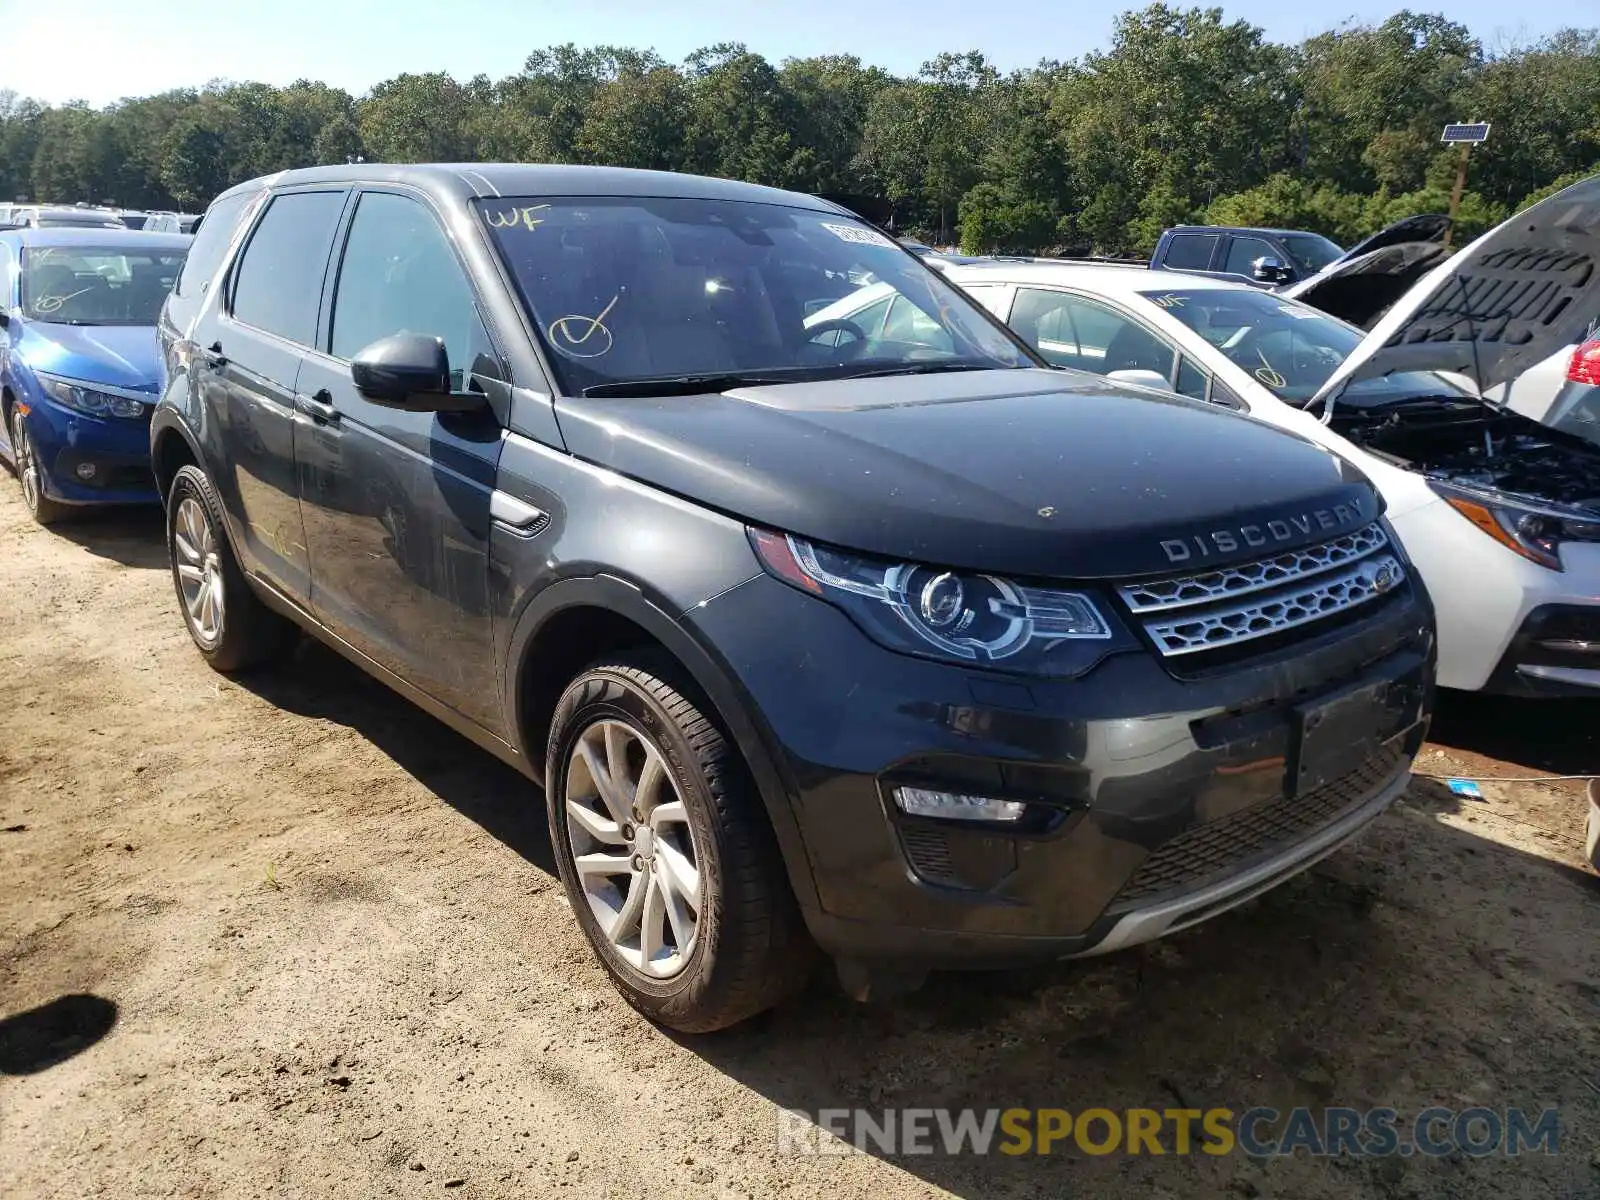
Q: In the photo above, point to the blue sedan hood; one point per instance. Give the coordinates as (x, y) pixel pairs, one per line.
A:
(125, 356)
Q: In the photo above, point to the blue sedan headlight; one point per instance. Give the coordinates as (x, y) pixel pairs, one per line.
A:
(80, 397)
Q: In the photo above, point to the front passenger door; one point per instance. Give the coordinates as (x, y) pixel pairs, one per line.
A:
(397, 503)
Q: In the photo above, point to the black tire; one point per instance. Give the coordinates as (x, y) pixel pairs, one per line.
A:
(43, 509)
(248, 633)
(752, 949)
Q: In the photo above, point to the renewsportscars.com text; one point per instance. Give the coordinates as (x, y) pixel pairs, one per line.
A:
(1259, 1132)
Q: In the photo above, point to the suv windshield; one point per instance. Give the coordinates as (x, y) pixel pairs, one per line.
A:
(1311, 251)
(1288, 348)
(93, 285)
(625, 290)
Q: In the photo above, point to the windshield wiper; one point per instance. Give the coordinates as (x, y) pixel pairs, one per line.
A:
(923, 368)
(683, 385)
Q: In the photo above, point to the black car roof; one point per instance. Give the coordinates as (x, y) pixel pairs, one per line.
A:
(468, 181)
(1241, 229)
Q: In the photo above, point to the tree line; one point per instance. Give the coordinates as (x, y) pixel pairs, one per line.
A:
(1187, 116)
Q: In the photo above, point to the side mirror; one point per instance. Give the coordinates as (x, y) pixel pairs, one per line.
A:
(409, 371)
(1141, 377)
(1268, 269)
(5, 319)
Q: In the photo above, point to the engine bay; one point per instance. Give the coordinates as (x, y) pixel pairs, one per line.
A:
(1475, 445)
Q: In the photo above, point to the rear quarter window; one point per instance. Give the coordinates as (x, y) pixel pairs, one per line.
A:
(211, 243)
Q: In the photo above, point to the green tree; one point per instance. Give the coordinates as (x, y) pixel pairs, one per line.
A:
(637, 120)
(193, 167)
(418, 118)
(738, 117)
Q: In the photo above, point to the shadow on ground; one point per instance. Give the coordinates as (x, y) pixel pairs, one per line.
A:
(1558, 736)
(134, 537)
(319, 683)
(39, 1038)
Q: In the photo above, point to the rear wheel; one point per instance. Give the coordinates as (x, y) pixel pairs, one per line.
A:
(229, 624)
(45, 510)
(666, 854)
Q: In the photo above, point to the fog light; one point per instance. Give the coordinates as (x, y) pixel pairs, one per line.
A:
(85, 471)
(921, 802)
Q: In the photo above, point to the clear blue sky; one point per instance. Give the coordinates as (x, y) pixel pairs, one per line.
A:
(100, 50)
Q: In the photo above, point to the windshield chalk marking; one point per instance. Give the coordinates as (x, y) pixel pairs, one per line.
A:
(561, 331)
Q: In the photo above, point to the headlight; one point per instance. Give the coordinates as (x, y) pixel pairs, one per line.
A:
(1533, 530)
(84, 399)
(950, 615)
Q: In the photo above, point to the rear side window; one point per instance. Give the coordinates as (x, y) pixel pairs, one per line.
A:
(210, 244)
(279, 279)
(1190, 250)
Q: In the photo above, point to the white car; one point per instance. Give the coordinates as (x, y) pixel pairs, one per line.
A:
(1500, 513)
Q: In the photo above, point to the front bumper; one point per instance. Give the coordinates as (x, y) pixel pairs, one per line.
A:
(1489, 600)
(114, 452)
(1153, 801)
(1555, 653)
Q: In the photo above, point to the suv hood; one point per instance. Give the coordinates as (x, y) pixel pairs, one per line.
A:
(1511, 299)
(124, 356)
(1024, 472)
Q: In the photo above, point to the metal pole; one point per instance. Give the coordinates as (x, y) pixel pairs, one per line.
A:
(1455, 192)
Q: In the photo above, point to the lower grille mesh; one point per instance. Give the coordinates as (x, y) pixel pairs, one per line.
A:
(1197, 854)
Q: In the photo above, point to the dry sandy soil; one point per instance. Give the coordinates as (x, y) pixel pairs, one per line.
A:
(328, 941)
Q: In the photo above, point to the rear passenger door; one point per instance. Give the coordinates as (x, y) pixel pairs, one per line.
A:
(1192, 252)
(397, 503)
(249, 360)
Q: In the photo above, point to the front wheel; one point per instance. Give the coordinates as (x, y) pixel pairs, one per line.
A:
(229, 624)
(666, 854)
(44, 510)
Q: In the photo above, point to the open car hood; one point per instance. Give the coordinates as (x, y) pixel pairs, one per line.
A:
(1511, 299)
(1361, 288)
(1364, 283)
(1428, 227)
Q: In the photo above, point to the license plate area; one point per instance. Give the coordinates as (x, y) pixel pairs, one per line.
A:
(1335, 733)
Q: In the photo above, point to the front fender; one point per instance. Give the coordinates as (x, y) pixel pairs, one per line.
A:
(166, 422)
(705, 666)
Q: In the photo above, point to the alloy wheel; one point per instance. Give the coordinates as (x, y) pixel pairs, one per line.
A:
(27, 464)
(199, 569)
(632, 847)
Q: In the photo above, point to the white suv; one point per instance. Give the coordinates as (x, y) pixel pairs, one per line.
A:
(1500, 513)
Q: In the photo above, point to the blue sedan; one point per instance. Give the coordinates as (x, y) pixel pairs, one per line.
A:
(79, 363)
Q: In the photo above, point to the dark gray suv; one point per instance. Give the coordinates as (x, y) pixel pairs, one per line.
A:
(862, 632)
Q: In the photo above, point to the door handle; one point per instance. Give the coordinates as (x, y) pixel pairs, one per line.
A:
(319, 407)
(213, 357)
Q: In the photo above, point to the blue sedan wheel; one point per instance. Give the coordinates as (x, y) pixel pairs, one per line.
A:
(45, 510)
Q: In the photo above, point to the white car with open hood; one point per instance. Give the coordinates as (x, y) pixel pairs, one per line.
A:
(1500, 513)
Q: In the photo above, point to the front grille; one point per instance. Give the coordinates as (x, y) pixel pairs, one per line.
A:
(1229, 605)
(1196, 855)
(1189, 590)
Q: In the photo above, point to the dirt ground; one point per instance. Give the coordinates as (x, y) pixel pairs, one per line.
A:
(327, 939)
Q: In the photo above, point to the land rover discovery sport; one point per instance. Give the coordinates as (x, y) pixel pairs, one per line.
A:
(871, 634)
